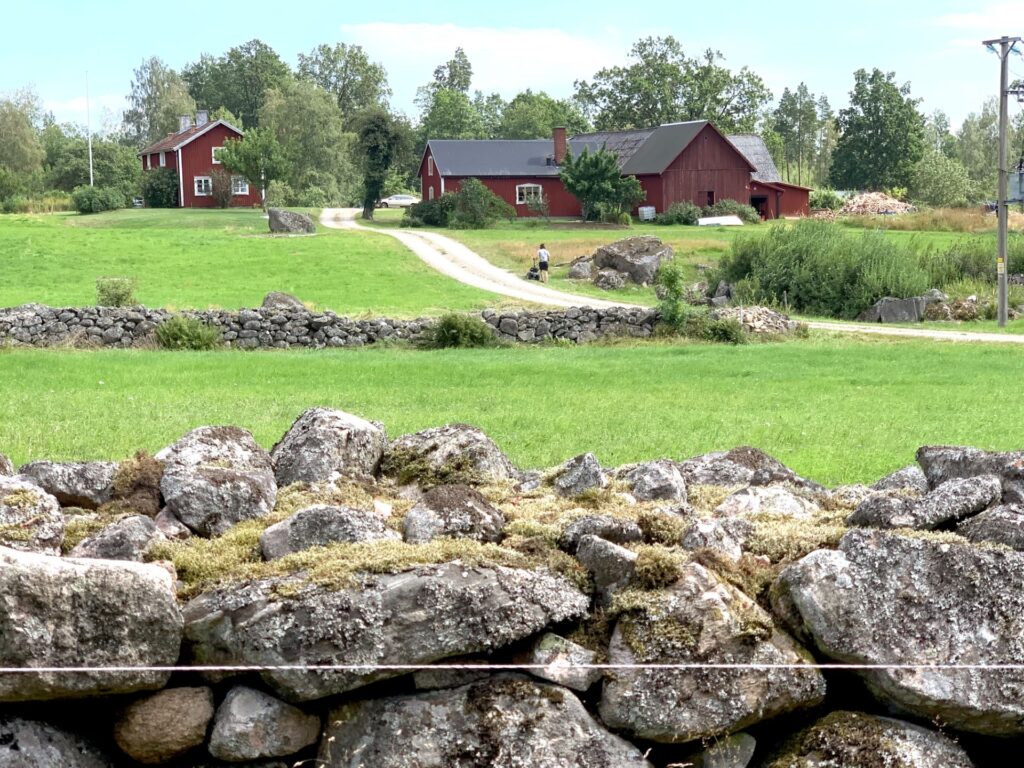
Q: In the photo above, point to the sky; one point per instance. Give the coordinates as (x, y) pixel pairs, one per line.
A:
(55, 46)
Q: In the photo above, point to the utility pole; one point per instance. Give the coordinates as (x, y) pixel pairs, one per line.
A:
(1006, 45)
(88, 125)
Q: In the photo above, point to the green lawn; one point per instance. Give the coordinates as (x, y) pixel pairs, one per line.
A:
(212, 258)
(835, 410)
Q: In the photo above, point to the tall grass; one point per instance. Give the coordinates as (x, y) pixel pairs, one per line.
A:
(935, 220)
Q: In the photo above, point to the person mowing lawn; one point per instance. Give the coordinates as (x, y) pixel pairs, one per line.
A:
(542, 259)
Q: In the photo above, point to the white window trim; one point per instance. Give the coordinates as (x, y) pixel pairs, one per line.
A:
(430, 192)
(195, 185)
(163, 159)
(213, 155)
(521, 198)
(239, 183)
(430, 165)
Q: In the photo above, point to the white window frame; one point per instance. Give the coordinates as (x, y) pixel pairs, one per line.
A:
(239, 186)
(430, 165)
(430, 192)
(163, 159)
(196, 180)
(521, 196)
(213, 155)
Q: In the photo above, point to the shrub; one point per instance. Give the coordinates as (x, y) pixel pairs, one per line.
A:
(700, 326)
(430, 213)
(220, 179)
(17, 204)
(462, 331)
(180, 332)
(727, 207)
(160, 188)
(476, 207)
(672, 283)
(540, 207)
(115, 291)
(826, 198)
(680, 213)
(280, 194)
(97, 199)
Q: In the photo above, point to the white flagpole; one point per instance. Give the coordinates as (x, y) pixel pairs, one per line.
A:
(88, 125)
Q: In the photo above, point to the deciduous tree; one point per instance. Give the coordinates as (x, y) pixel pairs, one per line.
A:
(158, 98)
(382, 141)
(595, 180)
(257, 156)
(346, 72)
(533, 115)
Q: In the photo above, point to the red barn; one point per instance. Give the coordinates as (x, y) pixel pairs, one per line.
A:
(675, 162)
(192, 152)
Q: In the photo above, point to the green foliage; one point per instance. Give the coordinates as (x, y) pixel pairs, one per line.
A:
(157, 100)
(595, 180)
(115, 291)
(672, 307)
(798, 124)
(346, 72)
(20, 150)
(458, 331)
(748, 214)
(679, 213)
(700, 326)
(181, 332)
(476, 207)
(220, 179)
(383, 140)
(97, 199)
(826, 198)
(430, 213)
(67, 161)
(160, 188)
(451, 115)
(257, 156)
(939, 180)
(534, 116)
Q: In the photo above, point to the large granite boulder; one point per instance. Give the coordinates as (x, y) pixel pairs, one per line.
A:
(909, 478)
(415, 617)
(127, 539)
(580, 269)
(700, 619)
(892, 310)
(290, 222)
(320, 525)
(323, 445)
(502, 722)
(738, 467)
(456, 453)
(655, 480)
(215, 477)
(36, 744)
(950, 502)
(74, 484)
(854, 739)
(766, 501)
(250, 725)
(456, 511)
(580, 473)
(283, 302)
(61, 612)
(886, 598)
(945, 462)
(999, 525)
(637, 257)
(162, 726)
(30, 518)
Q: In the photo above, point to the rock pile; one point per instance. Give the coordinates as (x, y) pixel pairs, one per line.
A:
(874, 204)
(651, 614)
(757, 320)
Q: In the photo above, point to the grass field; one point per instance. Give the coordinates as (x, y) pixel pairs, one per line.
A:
(212, 258)
(835, 410)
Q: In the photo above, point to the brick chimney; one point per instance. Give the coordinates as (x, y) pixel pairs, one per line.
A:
(184, 123)
(558, 135)
(202, 118)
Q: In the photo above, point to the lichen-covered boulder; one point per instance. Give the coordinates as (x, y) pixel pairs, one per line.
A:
(852, 739)
(503, 722)
(739, 467)
(637, 257)
(945, 462)
(36, 744)
(999, 525)
(726, 535)
(656, 480)
(610, 566)
(320, 525)
(580, 269)
(456, 511)
(127, 539)
(323, 445)
(30, 518)
(910, 478)
(85, 484)
(282, 301)
(250, 725)
(888, 598)
(700, 619)
(162, 726)
(561, 661)
(770, 501)
(215, 477)
(610, 280)
(62, 612)
(415, 617)
(950, 502)
(290, 222)
(609, 528)
(456, 453)
(580, 473)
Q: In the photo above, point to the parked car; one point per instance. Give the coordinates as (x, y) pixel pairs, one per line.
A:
(398, 201)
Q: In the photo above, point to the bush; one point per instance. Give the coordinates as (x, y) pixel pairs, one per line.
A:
(180, 332)
(430, 213)
(97, 199)
(680, 213)
(826, 198)
(672, 307)
(700, 326)
(476, 207)
(727, 207)
(461, 331)
(220, 179)
(115, 291)
(160, 188)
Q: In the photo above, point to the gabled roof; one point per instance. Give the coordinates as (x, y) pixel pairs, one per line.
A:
(756, 151)
(176, 141)
(497, 157)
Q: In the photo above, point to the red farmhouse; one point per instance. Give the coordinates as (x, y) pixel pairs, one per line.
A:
(192, 152)
(674, 162)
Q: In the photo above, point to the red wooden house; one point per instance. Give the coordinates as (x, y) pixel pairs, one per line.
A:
(192, 152)
(675, 162)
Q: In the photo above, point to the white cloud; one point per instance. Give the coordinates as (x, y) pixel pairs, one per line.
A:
(506, 60)
(992, 20)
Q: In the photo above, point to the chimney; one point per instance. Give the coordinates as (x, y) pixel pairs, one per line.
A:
(202, 118)
(558, 135)
(184, 123)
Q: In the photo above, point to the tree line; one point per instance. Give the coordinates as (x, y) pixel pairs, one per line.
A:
(322, 132)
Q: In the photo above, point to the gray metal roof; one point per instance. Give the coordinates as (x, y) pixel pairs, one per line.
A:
(662, 147)
(495, 157)
(756, 151)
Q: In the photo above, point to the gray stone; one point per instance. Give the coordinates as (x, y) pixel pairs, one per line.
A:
(456, 453)
(215, 477)
(656, 480)
(455, 511)
(289, 221)
(62, 612)
(162, 726)
(700, 619)
(738, 467)
(611, 566)
(35, 744)
(882, 510)
(637, 257)
(416, 617)
(6, 467)
(320, 525)
(250, 724)
(735, 751)
(610, 280)
(580, 269)
(609, 528)
(886, 598)
(944, 462)
(282, 301)
(766, 502)
(431, 679)
(579, 474)
(171, 527)
(890, 310)
(909, 478)
(127, 539)
(561, 660)
(950, 502)
(325, 444)
(30, 518)
(74, 484)
(725, 535)
(853, 739)
(503, 722)
(999, 525)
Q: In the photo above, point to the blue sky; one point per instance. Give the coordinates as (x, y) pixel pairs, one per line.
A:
(935, 45)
